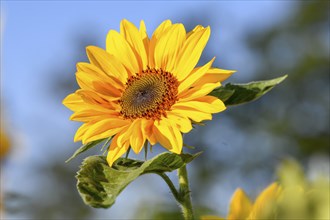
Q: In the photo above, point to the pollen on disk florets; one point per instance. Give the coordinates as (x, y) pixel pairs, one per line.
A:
(149, 94)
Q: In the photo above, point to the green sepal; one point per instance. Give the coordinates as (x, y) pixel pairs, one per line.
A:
(99, 184)
(85, 147)
(235, 94)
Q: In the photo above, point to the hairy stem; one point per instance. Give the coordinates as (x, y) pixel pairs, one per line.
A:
(186, 205)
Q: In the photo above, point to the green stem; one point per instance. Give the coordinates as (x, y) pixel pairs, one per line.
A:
(171, 186)
(185, 198)
(183, 195)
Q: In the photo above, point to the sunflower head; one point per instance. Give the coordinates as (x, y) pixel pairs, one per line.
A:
(149, 95)
(145, 88)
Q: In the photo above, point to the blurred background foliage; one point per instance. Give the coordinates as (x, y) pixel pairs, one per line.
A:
(242, 146)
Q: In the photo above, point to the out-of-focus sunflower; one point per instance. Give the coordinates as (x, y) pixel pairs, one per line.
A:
(242, 208)
(4, 143)
(295, 197)
(145, 89)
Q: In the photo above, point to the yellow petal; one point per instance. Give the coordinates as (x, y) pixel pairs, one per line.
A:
(133, 135)
(106, 90)
(73, 102)
(104, 128)
(137, 138)
(162, 28)
(148, 131)
(194, 76)
(103, 87)
(207, 104)
(198, 91)
(90, 97)
(143, 29)
(93, 98)
(161, 135)
(155, 36)
(265, 202)
(197, 28)
(90, 114)
(81, 131)
(78, 102)
(130, 130)
(214, 75)
(92, 69)
(193, 114)
(183, 123)
(168, 47)
(108, 63)
(176, 139)
(120, 48)
(145, 38)
(115, 150)
(84, 80)
(105, 134)
(133, 37)
(240, 206)
(96, 73)
(214, 104)
(168, 135)
(191, 52)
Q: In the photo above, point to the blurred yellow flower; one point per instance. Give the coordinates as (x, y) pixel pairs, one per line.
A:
(145, 89)
(241, 206)
(211, 217)
(4, 142)
(294, 198)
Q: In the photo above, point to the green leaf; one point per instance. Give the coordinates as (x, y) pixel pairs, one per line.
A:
(99, 184)
(235, 94)
(223, 93)
(84, 147)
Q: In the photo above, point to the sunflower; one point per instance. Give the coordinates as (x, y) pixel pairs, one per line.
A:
(242, 208)
(145, 89)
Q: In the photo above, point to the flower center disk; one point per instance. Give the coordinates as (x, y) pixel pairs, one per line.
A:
(149, 94)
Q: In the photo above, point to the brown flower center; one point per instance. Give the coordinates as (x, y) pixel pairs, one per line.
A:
(149, 94)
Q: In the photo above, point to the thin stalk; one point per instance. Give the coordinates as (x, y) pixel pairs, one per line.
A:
(186, 205)
(171, 186)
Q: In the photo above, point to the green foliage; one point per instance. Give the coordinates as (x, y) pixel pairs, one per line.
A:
(99, 184)
(85, 147)
(235, 94)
